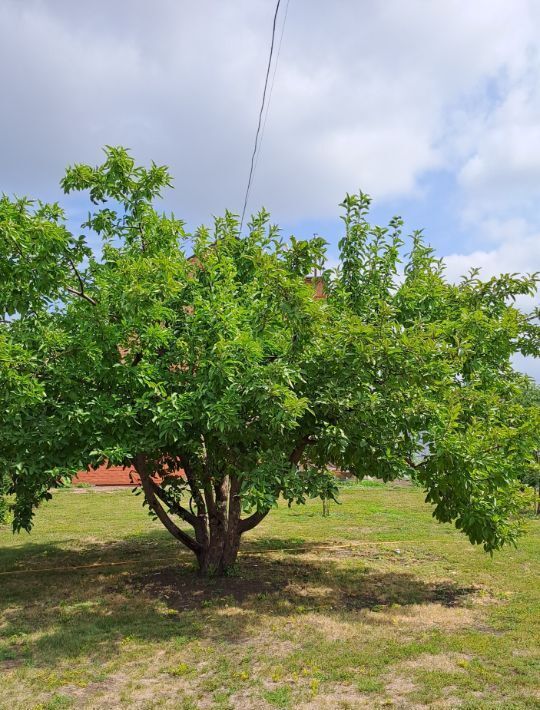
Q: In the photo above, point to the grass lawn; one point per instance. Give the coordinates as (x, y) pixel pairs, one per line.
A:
(374, 606)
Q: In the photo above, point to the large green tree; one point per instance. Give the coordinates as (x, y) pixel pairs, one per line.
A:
(209, 352)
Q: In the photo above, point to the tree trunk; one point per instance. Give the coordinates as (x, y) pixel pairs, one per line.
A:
(217, 524)
(220, 553)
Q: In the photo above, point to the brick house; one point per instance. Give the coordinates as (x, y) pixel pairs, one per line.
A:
(103, 476)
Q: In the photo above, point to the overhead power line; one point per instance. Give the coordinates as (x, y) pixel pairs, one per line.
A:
(271, 86)
(258, 133)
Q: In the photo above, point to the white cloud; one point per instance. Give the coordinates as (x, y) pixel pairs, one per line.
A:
(517, 251)
(365, 94)
(504, 167)
(514, 249)
(529, 365)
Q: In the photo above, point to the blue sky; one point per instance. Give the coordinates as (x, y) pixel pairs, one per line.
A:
(431, 107)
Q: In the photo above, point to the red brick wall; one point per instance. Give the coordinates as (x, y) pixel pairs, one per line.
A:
(103, 476)
(113, 476)
(318, 284)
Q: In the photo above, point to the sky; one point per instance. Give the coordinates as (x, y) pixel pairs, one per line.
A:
(433, 108)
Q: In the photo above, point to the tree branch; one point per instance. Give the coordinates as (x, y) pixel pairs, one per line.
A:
(202, 530)
(221, 497)
(208, 490)
(80, 293)
(209, 498)
(76, 272)
(151, 498)
(174, 506)
(252, 521)
(192, 482)
(234, 498)
(294, 458)
(411, 463)
(137, 358)
(299, 449)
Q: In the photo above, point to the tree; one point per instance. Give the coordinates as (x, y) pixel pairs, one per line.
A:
(529, 396)
(209, 352)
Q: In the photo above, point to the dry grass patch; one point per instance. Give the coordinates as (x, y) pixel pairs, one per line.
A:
(398, 688)
(149, 692)
(249, 699)
(96, 691)
(445, 662)
(402, 681)
(332, 627)
(339, 695)
(427, 616)
(310, 591)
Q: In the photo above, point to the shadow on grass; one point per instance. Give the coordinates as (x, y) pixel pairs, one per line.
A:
(56, 614)
(277, 586)
(72, 552)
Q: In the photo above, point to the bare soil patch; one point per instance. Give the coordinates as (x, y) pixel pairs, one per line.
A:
(9, 663)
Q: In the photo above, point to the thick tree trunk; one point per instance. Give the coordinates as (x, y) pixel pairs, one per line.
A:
(219, 554)
(217, 524)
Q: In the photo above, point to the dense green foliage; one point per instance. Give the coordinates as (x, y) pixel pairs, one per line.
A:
(530, 474)
(210, 350)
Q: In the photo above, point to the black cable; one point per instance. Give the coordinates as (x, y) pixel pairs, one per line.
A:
(260, 115)
(271, 86)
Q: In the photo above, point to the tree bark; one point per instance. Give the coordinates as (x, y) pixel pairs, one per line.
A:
(217, 522)
(220, 554)
(154, 504)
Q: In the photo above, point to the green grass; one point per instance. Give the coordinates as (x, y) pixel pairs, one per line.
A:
(374, 606)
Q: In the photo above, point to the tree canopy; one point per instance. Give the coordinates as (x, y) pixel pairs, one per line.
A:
(208, 352)
(530, 474)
